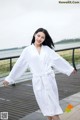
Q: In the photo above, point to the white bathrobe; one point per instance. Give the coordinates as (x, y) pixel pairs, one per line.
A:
(44, 83)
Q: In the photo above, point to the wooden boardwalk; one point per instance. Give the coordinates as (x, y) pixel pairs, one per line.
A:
(19, 100)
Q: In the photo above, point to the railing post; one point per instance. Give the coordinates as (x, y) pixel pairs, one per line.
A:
(10, 64)
(73, 59)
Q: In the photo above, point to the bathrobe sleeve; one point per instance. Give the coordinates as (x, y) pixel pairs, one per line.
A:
(19, 68)
(60, 63)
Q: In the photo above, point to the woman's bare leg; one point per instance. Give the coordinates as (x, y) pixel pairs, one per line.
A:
(56, 117)
(49, 117)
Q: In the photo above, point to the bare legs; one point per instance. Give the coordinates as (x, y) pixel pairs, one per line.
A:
(56, 117)
(49, 118)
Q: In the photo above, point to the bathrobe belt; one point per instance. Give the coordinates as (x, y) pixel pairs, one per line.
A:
(42, 81)
(41, 74)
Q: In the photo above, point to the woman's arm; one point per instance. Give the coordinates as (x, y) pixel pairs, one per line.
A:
(61, 64)
(18, 69)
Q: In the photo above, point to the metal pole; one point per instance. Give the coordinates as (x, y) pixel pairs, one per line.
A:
(10, 64)
(73, 58)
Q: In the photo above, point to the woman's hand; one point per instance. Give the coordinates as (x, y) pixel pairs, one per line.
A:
(5, 83)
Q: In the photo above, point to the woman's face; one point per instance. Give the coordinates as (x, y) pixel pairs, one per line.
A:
(39, 38)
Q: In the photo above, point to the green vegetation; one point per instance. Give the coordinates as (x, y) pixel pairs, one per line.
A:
(5, 67)
(68, 55)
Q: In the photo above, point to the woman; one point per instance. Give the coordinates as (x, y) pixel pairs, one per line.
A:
(40, 58)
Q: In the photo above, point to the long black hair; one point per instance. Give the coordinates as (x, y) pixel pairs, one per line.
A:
(48, 40)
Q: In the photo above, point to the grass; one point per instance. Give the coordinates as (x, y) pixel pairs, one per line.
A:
(5, 64)
(4, 67)
(68, 55)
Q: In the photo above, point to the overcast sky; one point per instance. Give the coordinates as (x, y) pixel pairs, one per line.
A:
(20, 18)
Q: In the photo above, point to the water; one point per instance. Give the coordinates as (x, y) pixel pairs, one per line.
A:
(67, 45)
